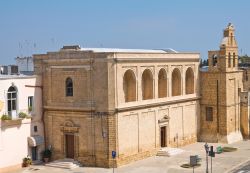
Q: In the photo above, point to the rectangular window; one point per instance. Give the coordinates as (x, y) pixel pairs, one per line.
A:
(209, 114)
(35, 128)
(30, 103)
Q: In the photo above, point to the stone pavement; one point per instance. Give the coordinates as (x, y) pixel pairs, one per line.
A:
(224, 162)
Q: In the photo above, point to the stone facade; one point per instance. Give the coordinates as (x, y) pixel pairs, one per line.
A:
(244, 114)
(246, 78)
(220, 92)
(129, 101)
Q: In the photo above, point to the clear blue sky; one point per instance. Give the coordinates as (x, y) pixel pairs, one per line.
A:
(30, 26)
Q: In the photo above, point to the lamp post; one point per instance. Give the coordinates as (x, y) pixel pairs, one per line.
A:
(207, 150)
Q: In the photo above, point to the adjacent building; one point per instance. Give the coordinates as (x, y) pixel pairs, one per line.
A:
(22, 135)
(25, 65)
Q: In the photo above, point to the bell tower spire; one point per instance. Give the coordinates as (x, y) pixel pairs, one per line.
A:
(229, 50)
(225, 59)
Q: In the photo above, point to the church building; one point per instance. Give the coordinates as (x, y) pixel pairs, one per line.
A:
(131, 101)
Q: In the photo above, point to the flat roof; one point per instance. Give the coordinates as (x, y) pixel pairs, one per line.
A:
(3, 76)
(119, 50)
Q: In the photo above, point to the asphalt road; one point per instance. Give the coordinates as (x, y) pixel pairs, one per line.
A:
(243, 169)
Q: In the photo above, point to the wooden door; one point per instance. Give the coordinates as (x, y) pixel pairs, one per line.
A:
(34, 153)
(163, 136)
(69, 146)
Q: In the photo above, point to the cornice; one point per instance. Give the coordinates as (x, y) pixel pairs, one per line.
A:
(152, 105)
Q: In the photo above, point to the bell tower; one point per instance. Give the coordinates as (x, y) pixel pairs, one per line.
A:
(225, 59)
(220, 90)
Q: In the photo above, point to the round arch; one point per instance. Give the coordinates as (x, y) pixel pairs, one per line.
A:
(69, 88)
(189, 78)
(147, 85)
(129, 86)
(162, 83)
(176, 82)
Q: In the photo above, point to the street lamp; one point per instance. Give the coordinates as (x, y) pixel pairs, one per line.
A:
(207, 151)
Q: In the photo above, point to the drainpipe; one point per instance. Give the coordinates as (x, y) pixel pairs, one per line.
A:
(217, 104)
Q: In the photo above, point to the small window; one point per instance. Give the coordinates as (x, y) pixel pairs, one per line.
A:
(229, 60)
(234, 59)
(246, 76)
(30, 103)
(69, 87)
(209, 114)
(35, 129)
(214, 60)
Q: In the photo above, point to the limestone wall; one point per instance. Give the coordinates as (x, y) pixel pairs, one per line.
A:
(138, 131)
(221, 92)
(90, 136)
(244, 114)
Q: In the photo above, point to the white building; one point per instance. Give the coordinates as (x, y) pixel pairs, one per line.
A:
(25, 65)
(20, 137)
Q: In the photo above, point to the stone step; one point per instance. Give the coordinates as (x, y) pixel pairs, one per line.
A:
(167, 151)
(64, 163)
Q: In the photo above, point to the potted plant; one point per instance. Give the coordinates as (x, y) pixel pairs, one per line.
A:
(27, 161)
(22, 115)
(46, 155)
(5, 117)
(8, 121)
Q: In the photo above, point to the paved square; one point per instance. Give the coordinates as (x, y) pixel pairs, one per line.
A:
(221, 163)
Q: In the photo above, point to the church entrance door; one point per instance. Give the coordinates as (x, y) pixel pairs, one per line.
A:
(69, 138)
(163, 136)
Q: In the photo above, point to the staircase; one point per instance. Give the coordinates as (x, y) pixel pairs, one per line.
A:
(167, 151)
(64, 163)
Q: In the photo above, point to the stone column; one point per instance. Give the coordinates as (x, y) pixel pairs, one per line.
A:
(170, 82)
(183, 80)
(155, 80)
(139, 87)
(76, 138)
(63, 144)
